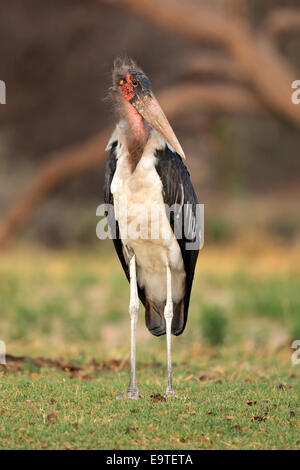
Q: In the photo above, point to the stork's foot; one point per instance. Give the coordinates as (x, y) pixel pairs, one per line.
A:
(132, 393)
(170, 393)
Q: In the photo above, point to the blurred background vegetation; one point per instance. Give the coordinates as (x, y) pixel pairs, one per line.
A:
(56, 59)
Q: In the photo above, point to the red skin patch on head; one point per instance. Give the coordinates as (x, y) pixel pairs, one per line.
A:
(127, 88)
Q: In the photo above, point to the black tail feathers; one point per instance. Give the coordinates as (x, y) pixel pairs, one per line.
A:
(155, 320)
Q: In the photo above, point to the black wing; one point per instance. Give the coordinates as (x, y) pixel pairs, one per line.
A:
(178, 189)
(110, 169)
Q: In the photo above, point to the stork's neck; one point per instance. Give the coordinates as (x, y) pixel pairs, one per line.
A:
(137, 133)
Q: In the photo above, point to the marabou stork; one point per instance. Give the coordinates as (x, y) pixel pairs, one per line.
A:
(145, 169)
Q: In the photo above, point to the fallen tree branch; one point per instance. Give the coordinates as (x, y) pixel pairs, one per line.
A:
(217, 97)
(85, 370)
(257, 59)
(212, 64)
(66, 163)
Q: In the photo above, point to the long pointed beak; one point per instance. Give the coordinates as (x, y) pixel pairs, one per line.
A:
(151, 111)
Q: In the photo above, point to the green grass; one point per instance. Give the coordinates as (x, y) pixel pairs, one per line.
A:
(213, 322)
(233, 374)
(47, 409)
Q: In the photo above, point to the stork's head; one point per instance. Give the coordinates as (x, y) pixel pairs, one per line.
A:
(133, 88)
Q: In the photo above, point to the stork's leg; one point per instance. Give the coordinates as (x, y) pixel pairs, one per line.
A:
(133, 391)
(168, 314)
